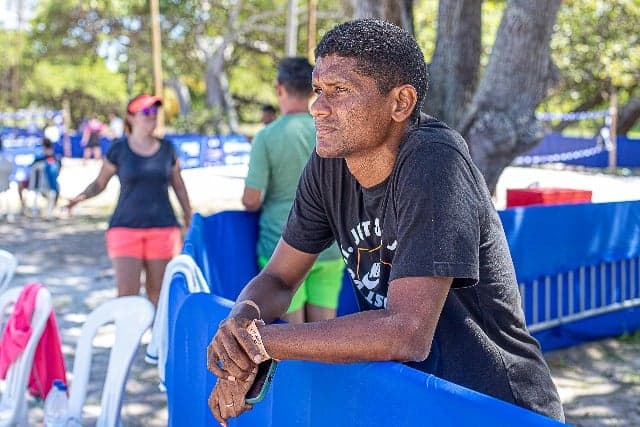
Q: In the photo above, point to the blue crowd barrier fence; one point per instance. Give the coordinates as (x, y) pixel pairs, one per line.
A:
(304, 393)
(224, 246)
(578, 267)
(318, 394)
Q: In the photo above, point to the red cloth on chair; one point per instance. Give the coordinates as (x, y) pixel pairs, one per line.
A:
(48, 362)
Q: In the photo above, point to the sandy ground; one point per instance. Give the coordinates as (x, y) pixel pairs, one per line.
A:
(598, 382)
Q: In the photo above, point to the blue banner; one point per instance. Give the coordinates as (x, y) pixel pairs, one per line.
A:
(194, 150)
(588, 152)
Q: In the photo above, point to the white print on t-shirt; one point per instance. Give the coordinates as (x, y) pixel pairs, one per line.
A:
(366, 268)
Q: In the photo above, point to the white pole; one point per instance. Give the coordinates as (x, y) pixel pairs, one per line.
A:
(613, 123)
(157, 62)
(291, 41)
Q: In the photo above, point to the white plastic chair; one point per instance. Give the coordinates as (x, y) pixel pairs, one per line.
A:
(39, 184)
(8, 265)
(157, 348)
(13, 403)
(132, 316)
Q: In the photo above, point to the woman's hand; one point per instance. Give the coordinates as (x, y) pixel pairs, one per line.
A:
(186, 219)
(74, 202)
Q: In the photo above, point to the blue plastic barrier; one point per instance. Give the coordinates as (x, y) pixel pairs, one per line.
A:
(573, 262)
(211, 150)
(579, 269)
(304, 394)
(224, 247)
(77, 150)
(319, 395)
(546, 240)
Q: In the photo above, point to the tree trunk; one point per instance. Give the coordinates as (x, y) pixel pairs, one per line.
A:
(500, 123)
(182, 93)
(628, 116)
(230, 105)
(217, 91)
(456, 59)
(368, 9)
(218, 95)
(400, 12)
(406, 15)
(214, 91)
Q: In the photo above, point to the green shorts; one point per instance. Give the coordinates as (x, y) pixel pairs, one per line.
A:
(321, 287)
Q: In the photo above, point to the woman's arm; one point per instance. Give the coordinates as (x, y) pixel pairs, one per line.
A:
(85, 136)
(181, 193)
(98, 185)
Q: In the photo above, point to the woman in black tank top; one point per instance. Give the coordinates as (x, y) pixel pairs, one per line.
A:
(144, 233)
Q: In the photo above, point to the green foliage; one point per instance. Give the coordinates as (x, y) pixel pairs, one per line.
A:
(203, 121)
(633, 338)
(98, 53)
(425, 16)
(596, 45)
(11, 53)
(90, 88)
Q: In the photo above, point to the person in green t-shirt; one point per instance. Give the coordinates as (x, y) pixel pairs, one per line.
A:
(278, 155)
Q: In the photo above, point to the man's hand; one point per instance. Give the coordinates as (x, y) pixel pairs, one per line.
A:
(227, 398)
(232, 355)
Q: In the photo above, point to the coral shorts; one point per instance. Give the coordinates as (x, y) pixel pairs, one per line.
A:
(144, 243)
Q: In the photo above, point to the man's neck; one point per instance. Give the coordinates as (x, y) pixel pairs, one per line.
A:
(294, 106)
(373, 167)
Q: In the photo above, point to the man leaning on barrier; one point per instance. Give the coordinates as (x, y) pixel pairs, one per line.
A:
(418, 231)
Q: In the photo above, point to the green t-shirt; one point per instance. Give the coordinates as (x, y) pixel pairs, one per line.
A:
(279, 153)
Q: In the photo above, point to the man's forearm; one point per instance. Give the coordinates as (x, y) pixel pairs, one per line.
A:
(270, 294)
(366, 336)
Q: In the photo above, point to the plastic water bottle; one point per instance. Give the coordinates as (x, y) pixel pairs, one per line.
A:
(56, 405)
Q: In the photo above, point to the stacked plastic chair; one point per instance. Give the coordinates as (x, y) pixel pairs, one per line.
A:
(132, 316)
(13, 403)
(8, 265)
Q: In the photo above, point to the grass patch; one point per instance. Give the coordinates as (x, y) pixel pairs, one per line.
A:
(631, 338)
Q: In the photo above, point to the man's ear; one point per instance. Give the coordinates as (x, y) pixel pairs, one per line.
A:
(405, 98)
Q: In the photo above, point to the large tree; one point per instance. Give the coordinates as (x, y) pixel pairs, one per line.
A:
(99, 51)
(400, 12)
(236, 45)
(495, 113)
(499, 123)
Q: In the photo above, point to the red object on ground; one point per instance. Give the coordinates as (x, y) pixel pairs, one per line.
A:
(546, 196)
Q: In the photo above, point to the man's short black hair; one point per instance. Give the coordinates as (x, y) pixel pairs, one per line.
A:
(294, 73)
(268, 108)
(384, 51)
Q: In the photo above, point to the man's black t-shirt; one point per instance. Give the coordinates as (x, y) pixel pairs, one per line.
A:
(144, 186)
(433, 217)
